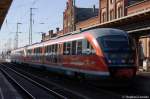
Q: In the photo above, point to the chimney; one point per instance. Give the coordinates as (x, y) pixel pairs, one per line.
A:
(50, 33)
(43, 36)
(57, 29)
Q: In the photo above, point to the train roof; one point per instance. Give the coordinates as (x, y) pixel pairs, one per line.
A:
(98, 32)
(106, 31)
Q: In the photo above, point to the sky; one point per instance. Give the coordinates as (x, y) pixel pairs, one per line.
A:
(47, 15)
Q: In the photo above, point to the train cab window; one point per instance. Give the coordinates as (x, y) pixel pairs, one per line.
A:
(132, 43)
(79, 47)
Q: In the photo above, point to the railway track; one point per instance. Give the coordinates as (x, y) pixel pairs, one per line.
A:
(32, 89)
(82, 89)
(87, 89)
(54, 89)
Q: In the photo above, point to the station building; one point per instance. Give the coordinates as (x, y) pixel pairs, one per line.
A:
(130, 15)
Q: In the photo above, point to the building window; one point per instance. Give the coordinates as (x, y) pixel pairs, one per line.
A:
(120, 12)
(111, 15)
(104, 17)
(111, 1)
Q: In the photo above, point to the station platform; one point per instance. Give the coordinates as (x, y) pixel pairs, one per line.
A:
(7, 91)
(144, 74)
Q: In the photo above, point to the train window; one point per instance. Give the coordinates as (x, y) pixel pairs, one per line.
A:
(87, 48)
(68, 51)
(45, 49)
(74, 47)
(64, 48)
(67, 48)
(29, 52)
(34, 51)
(113, 42)
(56, 48)
(40, 50)
(53, 49)
(48, 49)
(79, 47)
(59, 49)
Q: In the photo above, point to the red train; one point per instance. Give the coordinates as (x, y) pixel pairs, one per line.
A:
(101, 52)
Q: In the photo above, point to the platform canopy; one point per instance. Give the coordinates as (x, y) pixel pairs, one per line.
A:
(4, 7)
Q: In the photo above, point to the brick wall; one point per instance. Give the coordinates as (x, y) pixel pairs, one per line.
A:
(112, 9)
(103, 13)
(68, 15)
(138, 7)
(87, 23)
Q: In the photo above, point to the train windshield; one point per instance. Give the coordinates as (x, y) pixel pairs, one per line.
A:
(114, 42)
(117, 49)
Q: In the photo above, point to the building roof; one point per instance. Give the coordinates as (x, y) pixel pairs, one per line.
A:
(85, 13)
(132, 2)
(4, 6)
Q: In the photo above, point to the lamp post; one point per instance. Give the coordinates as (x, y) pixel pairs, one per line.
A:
(17, 36)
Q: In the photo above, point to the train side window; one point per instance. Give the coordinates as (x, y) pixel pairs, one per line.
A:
(79, 47)
(48, 49)
(84, 47)
(67, 48)
(56, 48)
(52, 48)
(87, 48)
(74, 45)
(29, 52)
(64, 49)
(34, 51)
(40, 50)
(45, 50)
(68, 51)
